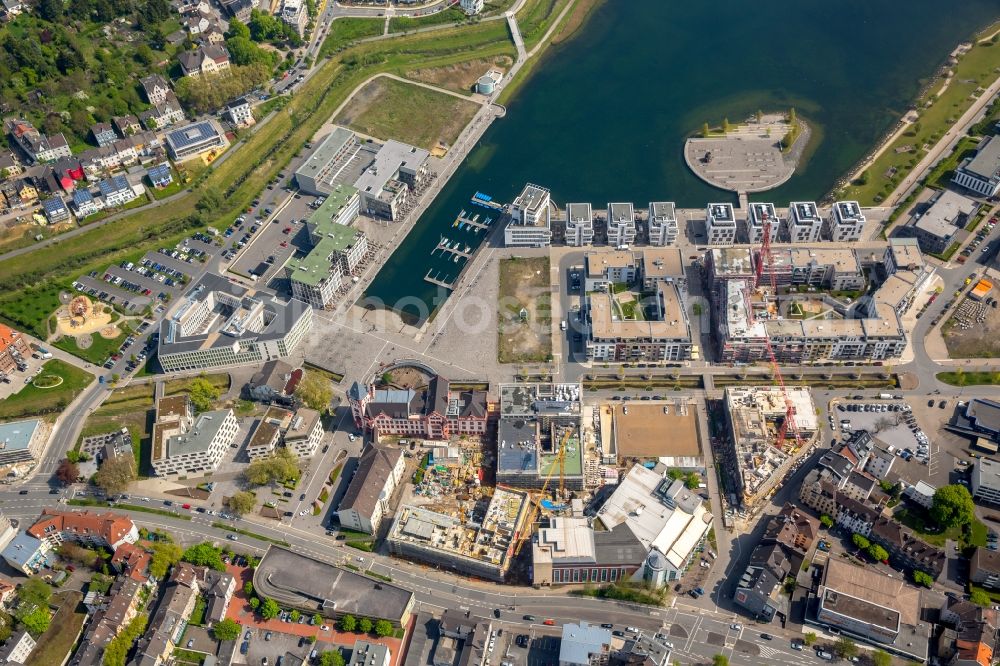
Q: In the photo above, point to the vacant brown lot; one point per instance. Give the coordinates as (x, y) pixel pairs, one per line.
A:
(462, 76)
(979, 340)
(524, 285)
(391, 109)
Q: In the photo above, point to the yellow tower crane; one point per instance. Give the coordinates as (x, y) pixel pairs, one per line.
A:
(560, 463)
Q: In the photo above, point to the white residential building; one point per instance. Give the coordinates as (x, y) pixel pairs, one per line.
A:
(985, 481)
(621, 225)
(846, 222)
(366, 502)
(981, 173)
(240, 114)
(304, 433)
(184, 443)
(116, 191)
(471, 7)
(758, 215)
(531, 219)
(804, 222)
(720, 224)
(663, 227)
(17, 649)
(579, 224)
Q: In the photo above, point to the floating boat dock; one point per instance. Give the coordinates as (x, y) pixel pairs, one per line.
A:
(474, 223)
(454, 248)
(437, 281)
(486, 201)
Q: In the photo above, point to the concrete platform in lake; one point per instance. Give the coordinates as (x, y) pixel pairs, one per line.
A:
(748, 158)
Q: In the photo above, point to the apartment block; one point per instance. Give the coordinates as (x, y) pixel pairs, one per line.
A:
(804, 223)
(89, 529)
(720, 224)
(663, 334)
(761, 215)
(985, 481)
(531, 219)
(385, 185)
(367, 500)
(981, 172)
(185, 443)
(662, 223)
(14, 349)
(846, 222)
(621, 225)
(579, 224)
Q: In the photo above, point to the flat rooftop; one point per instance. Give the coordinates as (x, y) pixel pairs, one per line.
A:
(759, 210)
(804, 212)
(607, 320)
(197, 440)
(660, 263)
(848, 212)
(656, 429)
(600, 261)
(322, 155)
(721, 212)
(392, 157)
(876, 597)
(620, 213)
(532, 198)
(538, 399)
(946, 209)
(298, 580)
(986, 163)
(579, 212)
(16, 436)
(662, 211)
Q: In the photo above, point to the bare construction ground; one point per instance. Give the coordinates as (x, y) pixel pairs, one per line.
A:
(973, 331)
(524, 311)
(390, 109)
(460, 76)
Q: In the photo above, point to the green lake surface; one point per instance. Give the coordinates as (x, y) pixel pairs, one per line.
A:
(604, 115)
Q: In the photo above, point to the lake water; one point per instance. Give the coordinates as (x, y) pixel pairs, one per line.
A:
(604, 117)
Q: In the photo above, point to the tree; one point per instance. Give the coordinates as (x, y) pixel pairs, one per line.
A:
(67, 472)
(282, 466)
(269, 609)
(317, 619)
(202, 392)
(331, 659)
(295, 615)
(792, 117)
(315, 391)
(238, 29)
(952, 506)
(347, 623)
(227, 630)
(383, 628)
(921, 578)
(881, 658)
(980, 598)
(809, 638)
(705, 131)
(204, 555)
(248, 589)
(846, 648)
(34, 592)
(720, 660)
(77, 553)
(211, 200)
(725, 125)
(826, 521)
(242, 502)
(115, 474)
(50, 10)
(860, 541)
(165, 555)
(36, 621)
(365, 625)
(877, 552)
(759, 115)
(255, 603)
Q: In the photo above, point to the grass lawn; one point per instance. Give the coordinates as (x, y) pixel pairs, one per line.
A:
(171, 189)
(346, 30)
(535, 18)
(198, 614)
(33, 401)
(219, 380)
(54, 645)
(100, 348)
(184, 657)
(32, 313)
(940, 176)
(969, 378)
(404, 23)
(390, 109)
(924, 527)
(524, 284)
(976, 69)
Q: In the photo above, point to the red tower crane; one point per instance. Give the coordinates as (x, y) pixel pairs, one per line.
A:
(764, 258)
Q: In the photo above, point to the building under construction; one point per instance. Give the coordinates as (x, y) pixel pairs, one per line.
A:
(760, 450)
(473, 544)
(539, 436)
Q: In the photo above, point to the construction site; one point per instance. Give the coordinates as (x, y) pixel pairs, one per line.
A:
(477, 541)
(768, 428)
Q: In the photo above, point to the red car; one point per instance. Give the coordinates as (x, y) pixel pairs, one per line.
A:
(284, 243)
(286, 230)
(549, 622)
(185, 506)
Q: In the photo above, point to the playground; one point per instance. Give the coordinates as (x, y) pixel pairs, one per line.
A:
(82, 317)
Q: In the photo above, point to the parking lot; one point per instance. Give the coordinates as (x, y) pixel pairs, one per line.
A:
(892, 422)
(275, 241)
